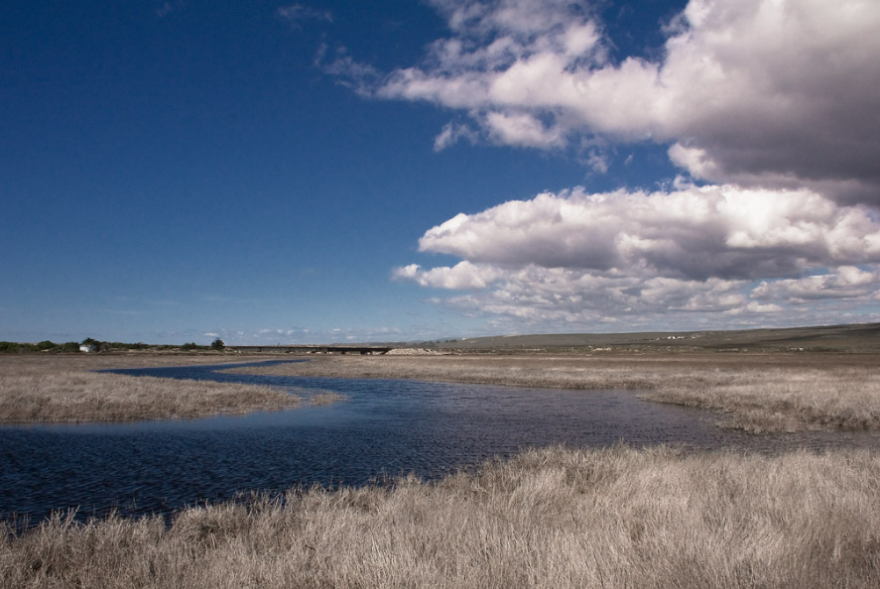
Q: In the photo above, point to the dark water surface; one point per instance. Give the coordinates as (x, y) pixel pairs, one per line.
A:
(386, 427)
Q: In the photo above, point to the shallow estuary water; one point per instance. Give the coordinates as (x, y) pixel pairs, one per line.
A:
(385, 428)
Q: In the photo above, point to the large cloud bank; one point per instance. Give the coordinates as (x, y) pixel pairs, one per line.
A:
(774, 103)
(777, 93)
(578, 259)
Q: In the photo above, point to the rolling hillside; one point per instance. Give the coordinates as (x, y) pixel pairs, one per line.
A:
(855, 338)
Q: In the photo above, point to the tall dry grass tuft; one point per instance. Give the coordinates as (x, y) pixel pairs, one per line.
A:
(556, 518)
(784, 399)
(320, 398)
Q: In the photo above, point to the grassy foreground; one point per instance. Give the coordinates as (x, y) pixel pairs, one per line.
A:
(759, 392)
(553, 518)
(61, 389)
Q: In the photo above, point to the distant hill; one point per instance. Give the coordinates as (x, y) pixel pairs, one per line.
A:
(853, 338)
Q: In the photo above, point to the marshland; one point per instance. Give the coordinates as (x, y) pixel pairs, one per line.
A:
(757, 392)
(64, 389)
(786, 494)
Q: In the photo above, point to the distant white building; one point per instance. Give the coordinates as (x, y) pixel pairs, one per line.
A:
(88, 348)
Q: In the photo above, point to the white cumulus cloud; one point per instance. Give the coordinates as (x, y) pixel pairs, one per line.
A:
(774, 104)
(576, 258)
(772, 93)
(842, 283)
(699, 232)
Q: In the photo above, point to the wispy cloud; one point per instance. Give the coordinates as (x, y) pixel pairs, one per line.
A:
(168, 8)
(297, 13)
(357, 76)
(452, 133)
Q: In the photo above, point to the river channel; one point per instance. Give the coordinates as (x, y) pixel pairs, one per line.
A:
(385, 428)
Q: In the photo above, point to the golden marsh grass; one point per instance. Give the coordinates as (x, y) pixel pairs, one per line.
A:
(758, 393)
(59, 389)
(555, 518)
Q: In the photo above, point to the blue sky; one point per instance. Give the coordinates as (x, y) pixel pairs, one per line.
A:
(332, 171)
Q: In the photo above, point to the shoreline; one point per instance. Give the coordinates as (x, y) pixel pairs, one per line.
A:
(758, 393)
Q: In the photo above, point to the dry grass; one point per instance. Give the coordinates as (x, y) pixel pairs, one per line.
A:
(78, 397)
(59, 389)
(51, 363)
(784, 400)
(760, 393)
(326, 398)
(548, 518)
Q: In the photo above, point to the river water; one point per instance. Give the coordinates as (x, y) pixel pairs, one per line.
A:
(384, 428)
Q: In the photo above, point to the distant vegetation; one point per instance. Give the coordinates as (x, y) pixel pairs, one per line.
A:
(44, 346)
(99, 346)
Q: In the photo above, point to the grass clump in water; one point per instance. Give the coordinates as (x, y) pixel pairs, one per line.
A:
(326, 398)
(81, 397)
(62, 391)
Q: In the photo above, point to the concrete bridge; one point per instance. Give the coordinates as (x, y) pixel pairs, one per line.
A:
(354, 350)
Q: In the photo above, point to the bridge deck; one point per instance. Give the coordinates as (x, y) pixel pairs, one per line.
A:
(362, 350)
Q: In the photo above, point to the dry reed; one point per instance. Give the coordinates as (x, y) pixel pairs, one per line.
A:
(760, 393)
(553, 518)
(784, 400)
